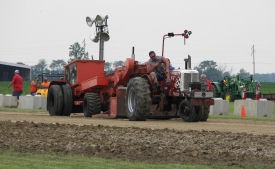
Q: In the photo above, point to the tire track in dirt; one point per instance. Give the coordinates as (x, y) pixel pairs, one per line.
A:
(223, 125)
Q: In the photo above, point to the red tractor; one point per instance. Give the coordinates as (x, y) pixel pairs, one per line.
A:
(129, 92)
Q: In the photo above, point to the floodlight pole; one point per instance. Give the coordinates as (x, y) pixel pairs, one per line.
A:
(253, 54)
(101, 48)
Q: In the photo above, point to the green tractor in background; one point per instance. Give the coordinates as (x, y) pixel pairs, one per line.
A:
(232, 88)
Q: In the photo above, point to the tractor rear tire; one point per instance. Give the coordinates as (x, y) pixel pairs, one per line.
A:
(68, 100)
(188, 112)
(205, 113)
(138, 99)
(55, 100)
(91, 104)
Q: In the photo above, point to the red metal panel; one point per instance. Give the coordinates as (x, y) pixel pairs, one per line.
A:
(87, 69)
(113, 107)
(78, 102)
(199, 102)
(270, 96)
(121, 97)
(94, 82)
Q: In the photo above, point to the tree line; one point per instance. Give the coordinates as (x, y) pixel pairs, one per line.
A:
(78, 51)
(217, 73)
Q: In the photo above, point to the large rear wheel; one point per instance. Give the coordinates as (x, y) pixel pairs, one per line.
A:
(55, 100)
(138, 99)
(91, 104)
(68, 100)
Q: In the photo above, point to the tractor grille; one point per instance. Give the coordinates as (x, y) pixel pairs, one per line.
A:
(187, 78)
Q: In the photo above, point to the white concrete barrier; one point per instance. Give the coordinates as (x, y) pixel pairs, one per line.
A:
(220, 107)
(9, 101)
(254, 108)
(1, 100)
(32, 102)
(44, 103)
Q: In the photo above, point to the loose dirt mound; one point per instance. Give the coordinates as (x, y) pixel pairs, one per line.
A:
(158, 145)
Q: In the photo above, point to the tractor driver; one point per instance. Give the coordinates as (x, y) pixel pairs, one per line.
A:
(156, 68)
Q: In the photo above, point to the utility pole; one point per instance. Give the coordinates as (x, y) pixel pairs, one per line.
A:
(253, 55)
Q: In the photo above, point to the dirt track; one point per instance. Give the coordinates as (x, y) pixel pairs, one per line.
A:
(153, 140)
(142, 144)
(223, 125)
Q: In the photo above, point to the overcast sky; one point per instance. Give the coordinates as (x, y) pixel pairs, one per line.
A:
(223, 31)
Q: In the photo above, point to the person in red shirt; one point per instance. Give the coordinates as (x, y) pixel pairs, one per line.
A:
(17, 82)
(203, 76)
(34, 86)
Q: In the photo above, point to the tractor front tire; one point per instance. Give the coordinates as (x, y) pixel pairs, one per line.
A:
(91, 104)
(68, 100)
(188, 112)
(205, 113)
(55, 100)
(138, 99)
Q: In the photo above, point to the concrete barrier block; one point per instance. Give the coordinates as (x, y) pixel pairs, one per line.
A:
(43, 103)
(10, 101)
(26, 102)
(30, 102)
(37, 102)
(220, 107)
(1, 100)
(254, 108)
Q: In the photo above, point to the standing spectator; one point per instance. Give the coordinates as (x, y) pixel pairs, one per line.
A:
(17, 82)
(203, 76)
(34, 86)
(45, 84)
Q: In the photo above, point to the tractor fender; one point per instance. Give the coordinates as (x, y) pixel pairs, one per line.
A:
(57, 82)
(148, 78)
(129, 68)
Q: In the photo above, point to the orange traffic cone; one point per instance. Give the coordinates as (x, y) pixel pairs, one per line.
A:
(243, 114)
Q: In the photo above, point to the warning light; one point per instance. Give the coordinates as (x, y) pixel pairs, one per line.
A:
(189, 33)
(186, 36)
(186, 31)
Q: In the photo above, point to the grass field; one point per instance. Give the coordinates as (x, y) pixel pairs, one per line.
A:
(16, 160)
(268, 87)
(5, 90)
(5, 109)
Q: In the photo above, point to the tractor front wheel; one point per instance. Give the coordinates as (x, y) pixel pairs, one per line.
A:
(188, 112)
(138, 99)
(91, 104)
(55, 100)
(205, 113)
